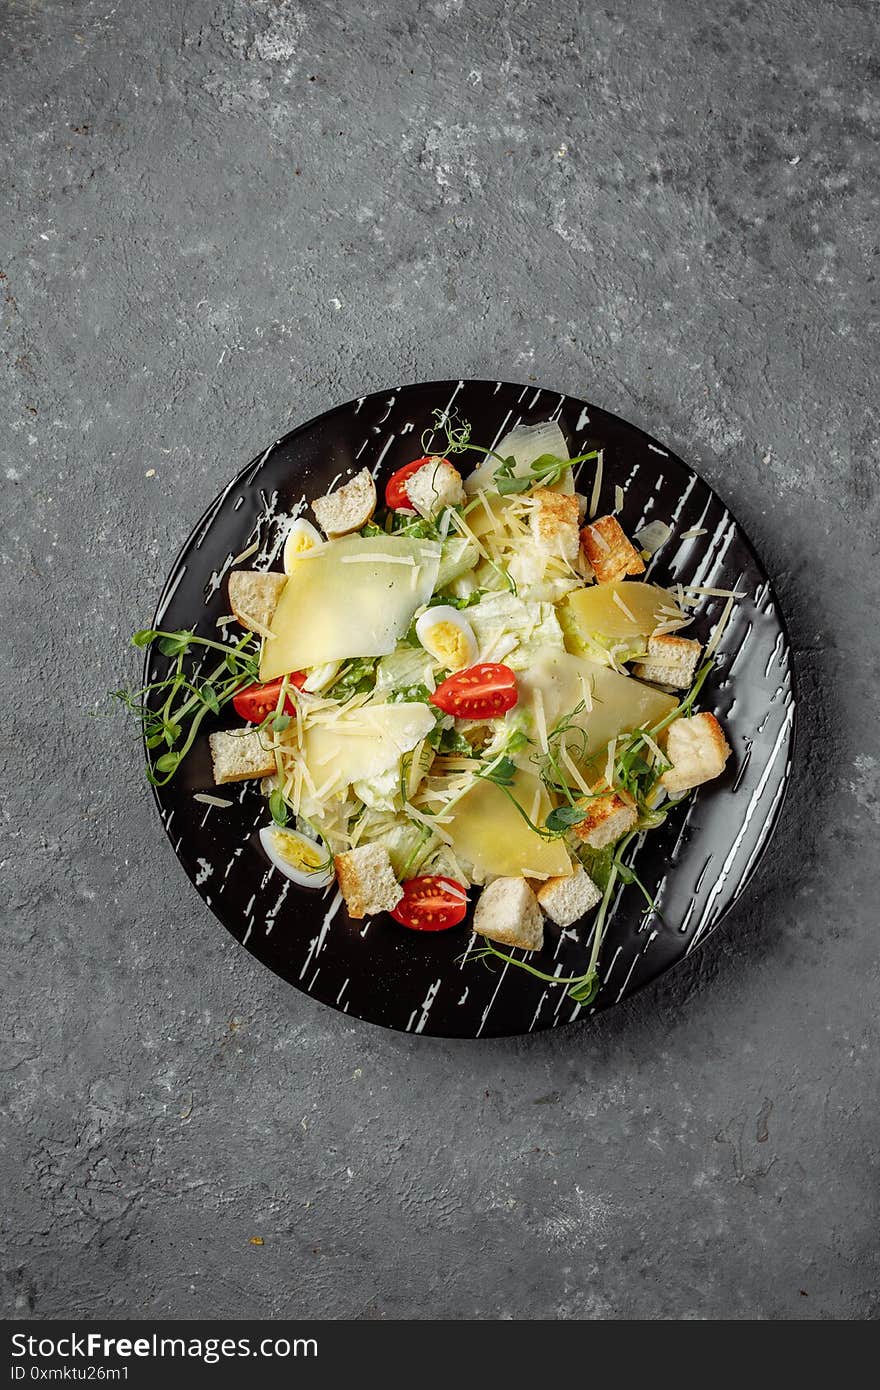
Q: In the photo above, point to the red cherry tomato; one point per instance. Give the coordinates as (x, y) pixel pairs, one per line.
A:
(431, 903)
(256, 701)
(479, 692)
(396, 498)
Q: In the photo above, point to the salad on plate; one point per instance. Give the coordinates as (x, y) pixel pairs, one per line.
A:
(463, 693)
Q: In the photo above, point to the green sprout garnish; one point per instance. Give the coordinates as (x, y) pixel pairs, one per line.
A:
(187, 699)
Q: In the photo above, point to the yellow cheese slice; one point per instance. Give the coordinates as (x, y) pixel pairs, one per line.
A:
(619, 703)
(488, 831)
(363, 744)
(352, 597)
(595, 612)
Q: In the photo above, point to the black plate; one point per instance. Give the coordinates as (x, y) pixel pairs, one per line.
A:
(696, 865)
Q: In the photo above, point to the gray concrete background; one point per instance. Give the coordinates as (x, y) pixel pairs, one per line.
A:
(220, 218)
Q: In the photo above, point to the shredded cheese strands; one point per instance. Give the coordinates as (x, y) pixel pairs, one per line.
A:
(245, 554)
(718, 631)
(609, 764)
(463, 529)
(652, 536)
(658, 755)
(622, 606)
(618, 498)
(263, 631)
(226, 620)
(712, 593)
(572, 769)
(207, 800)
(694, 531)
(432, 822)
(597, 485)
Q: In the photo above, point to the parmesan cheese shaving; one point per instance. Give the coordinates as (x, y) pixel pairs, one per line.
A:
(622, 606)
(245, 554)
(718, 630)
(694, 531)
(618, 498)
(432, 822)
(575, 775)
(463, 529)
(652, 536)
(609, 762)
(713, 593)
(207, 800)
(263, 631)
(597, 485)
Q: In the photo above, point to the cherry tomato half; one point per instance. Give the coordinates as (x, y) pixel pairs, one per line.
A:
(256, 701)
(479, 692)
(431, 903)
(395, 489)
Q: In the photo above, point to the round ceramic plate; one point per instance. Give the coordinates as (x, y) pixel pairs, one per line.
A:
(696, 865)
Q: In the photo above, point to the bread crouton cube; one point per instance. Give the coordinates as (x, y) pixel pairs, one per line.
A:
(253, 597)
(606, 819)
(670, 661)
(565, 900)
(554, 522)
(434, 486)
(238, 756)
(698, 751)
(507, 911)
(366, 880)
(348, 508)
(610, 554)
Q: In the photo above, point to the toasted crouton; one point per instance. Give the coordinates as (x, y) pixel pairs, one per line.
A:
(670, 661)
(253, 597)
(554, 522)
(239, 756)
(697, 749)
(434, 486)
(610, 554)
(349, 507)
(607, 818)
(566, 899)
(366, 880)
(507, 911)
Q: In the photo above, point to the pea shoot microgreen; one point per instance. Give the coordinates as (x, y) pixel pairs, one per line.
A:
(545, 471)
(172, 709)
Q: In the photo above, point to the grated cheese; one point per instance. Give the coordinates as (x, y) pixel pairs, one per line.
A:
(245, 554)
(597, 484)
(618, 498)
(226, 620)
(208, 800)
(462, 527)
(432, 822)
(713, 593)
(571, 765)
(652, 536)
(609, 764)
(694, 531)
(622, 606)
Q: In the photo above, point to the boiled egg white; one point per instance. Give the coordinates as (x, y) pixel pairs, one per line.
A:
(296, 856)
(447, 636)
(301, 537)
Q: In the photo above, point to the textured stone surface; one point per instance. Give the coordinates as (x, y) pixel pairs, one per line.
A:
(218, 221)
